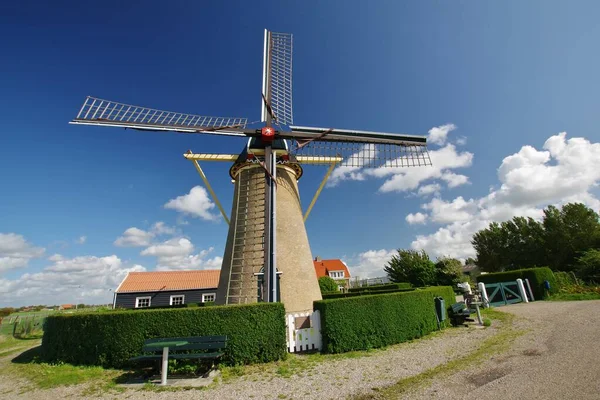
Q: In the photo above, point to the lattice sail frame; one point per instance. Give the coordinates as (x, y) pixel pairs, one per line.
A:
(277, 76)
(105, 112)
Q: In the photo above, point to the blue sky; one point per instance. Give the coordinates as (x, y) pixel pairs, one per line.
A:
(496, 77)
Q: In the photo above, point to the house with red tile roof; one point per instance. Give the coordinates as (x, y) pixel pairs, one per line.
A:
(166, 288)
(335, 269)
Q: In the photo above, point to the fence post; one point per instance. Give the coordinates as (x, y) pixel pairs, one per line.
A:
(530, 291)
(522, 290)
(484, 295)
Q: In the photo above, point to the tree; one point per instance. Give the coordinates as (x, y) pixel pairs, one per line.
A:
(448, 271)
(470, 261)
(411, 266)
(588, 265)
(327, 285)
(568, 233)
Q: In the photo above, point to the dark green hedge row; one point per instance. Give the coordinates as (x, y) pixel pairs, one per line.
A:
(256, 333)
(363, 293)
(365, 322)
(387, 286)
(536, 277)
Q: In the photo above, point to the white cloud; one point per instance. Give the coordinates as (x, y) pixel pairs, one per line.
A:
(196, 203)
(81, 239)
(426, 190)
(15, 251)
(369, 264)
(178, 253)
(85, 279)
(461, 141)
(417, 218)
(531, 179)
(135, 237)
(439, 134)
(454, 180)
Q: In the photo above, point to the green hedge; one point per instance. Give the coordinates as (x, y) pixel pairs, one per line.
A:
(256, 333)
(387, 286)
(363, 293)
(365, 322)
(536, 277)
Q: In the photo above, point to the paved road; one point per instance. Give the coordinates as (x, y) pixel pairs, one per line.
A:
(558, 358)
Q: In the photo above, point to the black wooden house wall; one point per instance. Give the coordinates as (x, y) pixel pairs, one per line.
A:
(162, 298)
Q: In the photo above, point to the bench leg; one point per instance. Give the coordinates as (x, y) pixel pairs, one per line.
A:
(165, 366)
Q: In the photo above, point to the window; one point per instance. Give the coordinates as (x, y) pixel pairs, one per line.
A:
(177, 300)
(141, 302)
(341, 288)
(336, 274)
(206, 297)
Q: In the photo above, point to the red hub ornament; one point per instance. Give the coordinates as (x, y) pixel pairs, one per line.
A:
(267, 133)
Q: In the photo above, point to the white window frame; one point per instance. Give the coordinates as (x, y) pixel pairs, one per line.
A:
(336, 274)
(177, 295)
(208, 294)
(137, 301)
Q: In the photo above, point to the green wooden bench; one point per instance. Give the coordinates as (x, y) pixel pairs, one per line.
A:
(211, 348)
(460, 313)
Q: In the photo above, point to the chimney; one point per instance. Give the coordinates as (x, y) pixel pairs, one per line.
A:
(317, 258)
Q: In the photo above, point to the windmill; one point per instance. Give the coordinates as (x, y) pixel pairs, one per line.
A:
(265, 176)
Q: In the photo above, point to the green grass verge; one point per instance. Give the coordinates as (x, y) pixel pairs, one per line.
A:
(491, 346)
(574, 296)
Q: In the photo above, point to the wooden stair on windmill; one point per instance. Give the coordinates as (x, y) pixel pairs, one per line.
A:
(247, 256)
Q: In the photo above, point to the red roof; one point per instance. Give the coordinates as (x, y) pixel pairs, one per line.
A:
(323, 267)
(169, 280)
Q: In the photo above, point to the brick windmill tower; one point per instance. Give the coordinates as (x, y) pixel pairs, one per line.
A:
(267, 254)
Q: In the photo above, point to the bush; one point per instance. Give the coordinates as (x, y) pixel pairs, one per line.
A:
(536, 277)
(387, 286)
(371, 321)
(363, 293)
(564, 279)
(256, 333)
(327, 285)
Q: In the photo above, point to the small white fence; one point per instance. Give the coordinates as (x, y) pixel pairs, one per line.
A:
(303, 331)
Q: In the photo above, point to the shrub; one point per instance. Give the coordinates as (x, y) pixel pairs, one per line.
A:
(256, 333)
(327, 285)
(371, 321)
(536, 277)
(363, 293)
(564, 279)
(387, 286)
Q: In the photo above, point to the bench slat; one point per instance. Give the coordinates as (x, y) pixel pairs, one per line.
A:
(191, 346)
(191, 339)
(196, 356)
(146, 357)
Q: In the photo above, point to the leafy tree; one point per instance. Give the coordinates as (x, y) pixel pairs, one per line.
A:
(568, 233)
(448, 272)
(470, 261)
(588, 265)
(327, 285)
(411, 266)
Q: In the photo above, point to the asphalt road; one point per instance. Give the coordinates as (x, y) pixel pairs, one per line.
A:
(557, 358)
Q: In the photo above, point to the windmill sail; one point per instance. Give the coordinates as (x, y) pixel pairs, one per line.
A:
(277, 77)
(110, 113)
(360, 149)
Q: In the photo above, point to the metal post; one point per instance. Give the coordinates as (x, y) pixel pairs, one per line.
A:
(165, 366)
(270, 268)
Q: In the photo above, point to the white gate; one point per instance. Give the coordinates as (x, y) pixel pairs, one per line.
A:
(303, 331)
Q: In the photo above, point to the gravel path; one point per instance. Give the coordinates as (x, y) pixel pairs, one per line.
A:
(556, 359)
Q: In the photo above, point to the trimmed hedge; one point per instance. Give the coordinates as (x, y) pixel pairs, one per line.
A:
(363, 293)
(387, 286)
(536, 277)
(371, 321)
(256, 333)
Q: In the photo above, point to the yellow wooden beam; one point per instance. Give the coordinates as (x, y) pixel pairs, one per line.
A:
(212, 193)
(211, 157)
(314, 200)
(318, 160)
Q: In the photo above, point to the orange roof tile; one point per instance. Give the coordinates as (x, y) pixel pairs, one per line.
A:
(169, 280)
(323, 267)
